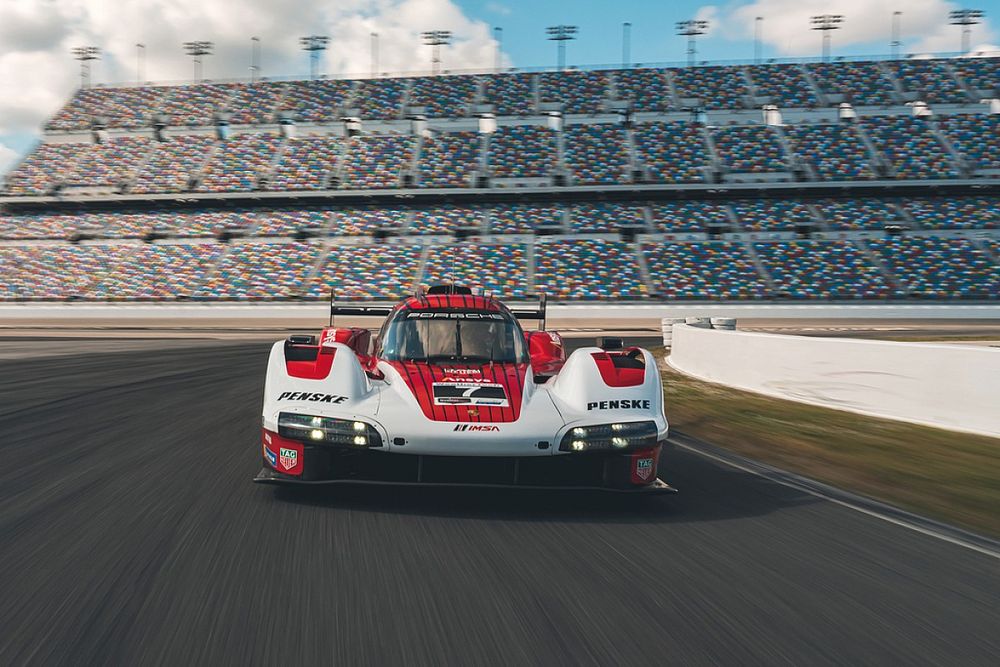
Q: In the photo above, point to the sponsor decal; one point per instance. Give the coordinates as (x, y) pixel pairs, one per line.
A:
(308, 396)
(470, 393)
(644, 468)
(473, 412)
(463, 371)
(424, 315)
(329, 337)
(625, 404)
(476, 427)
(270, 456)
(288, 458)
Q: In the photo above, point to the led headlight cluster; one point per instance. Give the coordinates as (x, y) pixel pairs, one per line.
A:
(603, 437)
(327, 430)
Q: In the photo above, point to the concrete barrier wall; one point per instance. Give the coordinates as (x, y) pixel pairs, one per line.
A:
(949, 386)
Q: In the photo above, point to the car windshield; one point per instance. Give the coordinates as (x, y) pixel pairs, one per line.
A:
(438, 337)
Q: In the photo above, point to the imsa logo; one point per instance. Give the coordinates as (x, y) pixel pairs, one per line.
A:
(476, 427)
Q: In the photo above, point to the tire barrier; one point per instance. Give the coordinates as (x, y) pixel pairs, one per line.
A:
(667, 328)
(724, 323)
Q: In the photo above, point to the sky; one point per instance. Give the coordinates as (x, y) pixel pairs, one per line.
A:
(38, 74)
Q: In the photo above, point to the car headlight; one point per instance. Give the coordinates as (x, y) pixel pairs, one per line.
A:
(614, 437)
(328, 430)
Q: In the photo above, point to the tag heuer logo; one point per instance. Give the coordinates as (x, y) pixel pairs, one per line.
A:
(288, 458)
(644, 468)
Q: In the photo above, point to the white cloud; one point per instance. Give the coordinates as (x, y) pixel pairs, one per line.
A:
(497, 8)
(37, 72)
(924, 24)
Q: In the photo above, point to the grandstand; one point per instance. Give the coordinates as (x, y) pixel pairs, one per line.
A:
(866, 180)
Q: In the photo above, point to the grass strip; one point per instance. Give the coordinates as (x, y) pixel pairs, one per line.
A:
(949, 476)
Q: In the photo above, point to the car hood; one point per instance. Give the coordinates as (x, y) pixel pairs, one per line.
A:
(465, 392)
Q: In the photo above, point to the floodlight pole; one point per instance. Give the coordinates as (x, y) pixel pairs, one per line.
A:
(560, 34)
(85, 54)
(896, 43)
(434, 39)
(626, 44)
(966, 18)
(758, 35)
(691, 29)
(197, 50)
(825, 23)
(314, 45)
(374, 54)
(498, 55)
(140, 56)
(254, 59)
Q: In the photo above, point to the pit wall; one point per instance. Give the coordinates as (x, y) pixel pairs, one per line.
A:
(947, 386)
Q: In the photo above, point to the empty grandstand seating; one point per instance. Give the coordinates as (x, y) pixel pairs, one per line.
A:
(612, 270)
(597, 154)
(306, 163)
(362, 220)
(44, 169)
(446, 219)
(835, 151)
(449, 159)
(858, 83)
(712, 87)
(703, 270)
(574, 91)
(254, 103)
(510, 94)
(158, 272)
(319, 101)
(932, 267)
(857, 214)
(644, 89)
(521, 218)
(910, 146)
(173, 164)
(928, 80)
(821, 270)
(784, 85)
(239, 162)
(976, 137)
(497, 268)
(377, 161)
(688, 216)
(194, 191)
(380, 98)
(371, 271)
(749, 149)
(671, 152)
(954, 212)
(763, 215)
(261, 270)
(522, 151)
(111, 163)
(604, 217)
(285, 222)
(443, 96)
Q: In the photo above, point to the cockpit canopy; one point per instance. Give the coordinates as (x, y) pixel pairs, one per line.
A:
(453, 336)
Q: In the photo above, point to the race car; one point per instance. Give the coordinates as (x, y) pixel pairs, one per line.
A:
(452, 391)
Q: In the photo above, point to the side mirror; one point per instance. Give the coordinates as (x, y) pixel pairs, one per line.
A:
(546, 351)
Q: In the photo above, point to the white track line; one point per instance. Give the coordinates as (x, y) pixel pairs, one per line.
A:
(813, 488)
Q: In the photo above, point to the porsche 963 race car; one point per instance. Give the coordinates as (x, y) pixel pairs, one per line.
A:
(452, 391)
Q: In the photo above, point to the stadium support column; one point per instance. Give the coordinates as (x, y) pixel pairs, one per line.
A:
(560, 34)
(85, 54)
(691, 29)
(965, 18)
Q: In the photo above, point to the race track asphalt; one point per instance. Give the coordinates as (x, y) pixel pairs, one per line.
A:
(130, 534)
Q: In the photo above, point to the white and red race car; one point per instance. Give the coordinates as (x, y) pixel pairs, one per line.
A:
(452, 391)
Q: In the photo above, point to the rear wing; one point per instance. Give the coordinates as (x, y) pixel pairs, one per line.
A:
(538, 314)
(356, 309)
